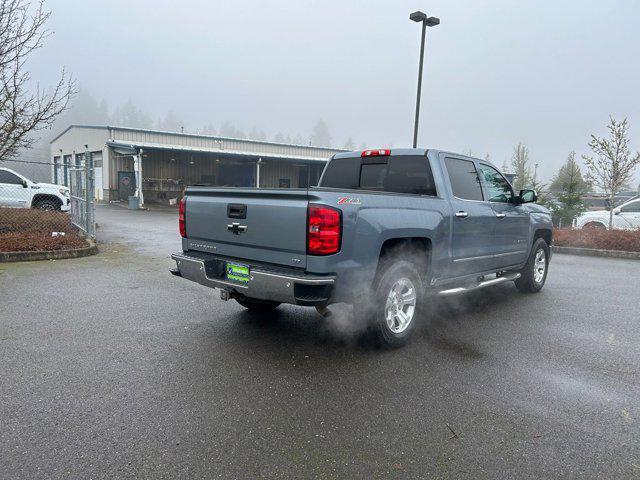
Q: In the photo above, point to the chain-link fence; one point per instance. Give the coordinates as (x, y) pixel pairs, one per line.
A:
(54, 214)
(81, 180)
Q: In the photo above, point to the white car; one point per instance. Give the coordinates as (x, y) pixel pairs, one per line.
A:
(625, 217)
(18, 191)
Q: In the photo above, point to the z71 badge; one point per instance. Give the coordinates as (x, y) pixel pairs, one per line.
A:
(349, 201)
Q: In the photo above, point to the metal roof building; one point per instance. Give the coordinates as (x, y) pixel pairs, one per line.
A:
(157, 165)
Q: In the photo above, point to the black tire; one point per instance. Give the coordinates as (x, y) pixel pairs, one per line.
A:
(393, 273)
(255, 305)
(594, 226)
(48, 204)
(530, 280)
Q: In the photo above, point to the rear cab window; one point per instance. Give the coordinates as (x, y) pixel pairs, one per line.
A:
(408, 174)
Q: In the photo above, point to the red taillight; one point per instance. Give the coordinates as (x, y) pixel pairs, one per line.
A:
(380, 152)
(324, 230)
(181, 222)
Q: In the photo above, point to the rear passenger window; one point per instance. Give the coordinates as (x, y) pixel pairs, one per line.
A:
(410, 174)
(341, 173)
(399, 174)
(464, 179)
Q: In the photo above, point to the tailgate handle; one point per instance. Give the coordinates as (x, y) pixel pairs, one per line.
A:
(236, 210)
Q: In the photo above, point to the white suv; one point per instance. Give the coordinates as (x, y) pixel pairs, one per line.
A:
(625, 217)
(18, 191)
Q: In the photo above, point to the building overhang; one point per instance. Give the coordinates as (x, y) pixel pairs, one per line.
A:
(128, 148)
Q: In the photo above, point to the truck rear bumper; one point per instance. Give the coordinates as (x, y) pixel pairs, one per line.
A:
(294, 288)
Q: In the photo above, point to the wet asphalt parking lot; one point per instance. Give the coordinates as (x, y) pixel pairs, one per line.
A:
(112, 368)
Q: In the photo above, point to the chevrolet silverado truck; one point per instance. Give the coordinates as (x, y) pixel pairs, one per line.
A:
(382, 230)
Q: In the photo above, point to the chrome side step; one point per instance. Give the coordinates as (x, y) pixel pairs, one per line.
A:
(510, 277)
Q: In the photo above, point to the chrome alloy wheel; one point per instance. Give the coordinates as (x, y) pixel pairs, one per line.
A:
(539, 266)
(401, 305)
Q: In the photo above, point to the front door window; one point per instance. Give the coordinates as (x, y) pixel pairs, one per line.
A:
(498, 189)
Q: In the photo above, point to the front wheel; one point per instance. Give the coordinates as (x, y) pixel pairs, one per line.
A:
(47, 204)
(594, 226)
(394, 307)
(258, 306)
(534, 274)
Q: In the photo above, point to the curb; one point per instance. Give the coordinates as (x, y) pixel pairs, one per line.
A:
(594, 252)
(31, 256)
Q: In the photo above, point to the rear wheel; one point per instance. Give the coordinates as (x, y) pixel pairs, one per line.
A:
(255, 305)
(534, 274)
(393, 310)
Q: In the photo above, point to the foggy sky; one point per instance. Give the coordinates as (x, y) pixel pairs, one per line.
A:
(496, 72)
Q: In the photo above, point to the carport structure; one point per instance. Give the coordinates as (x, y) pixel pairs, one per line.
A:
(156, 166)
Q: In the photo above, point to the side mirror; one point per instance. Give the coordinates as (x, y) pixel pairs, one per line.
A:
(527, 196)
(24, 184)
(616, 211)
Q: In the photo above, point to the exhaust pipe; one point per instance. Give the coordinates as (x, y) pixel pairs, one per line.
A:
(324, 311)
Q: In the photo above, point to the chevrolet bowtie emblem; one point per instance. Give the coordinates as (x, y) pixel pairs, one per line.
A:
(236, 228)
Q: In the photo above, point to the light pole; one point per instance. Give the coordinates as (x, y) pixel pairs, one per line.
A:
(426, 22)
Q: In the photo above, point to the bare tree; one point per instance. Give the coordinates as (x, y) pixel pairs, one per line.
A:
(23, 109)
(612, 165)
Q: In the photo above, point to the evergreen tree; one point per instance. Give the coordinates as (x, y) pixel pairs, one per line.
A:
(128, 115)
(320, 136)
(521, 168)
(171, 122)
(571, 187)
(349, 145)
(569, 172)
(209, 129)
(228, 130)
(254, 134)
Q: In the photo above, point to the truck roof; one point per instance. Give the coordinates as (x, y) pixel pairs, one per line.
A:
(412, 151)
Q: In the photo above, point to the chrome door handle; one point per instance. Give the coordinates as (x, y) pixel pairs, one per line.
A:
(462, 214)
(501, 215)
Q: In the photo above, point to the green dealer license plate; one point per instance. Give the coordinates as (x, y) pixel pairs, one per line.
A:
(238, 272)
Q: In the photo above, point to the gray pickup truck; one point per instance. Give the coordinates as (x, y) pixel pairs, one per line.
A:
(383, 230)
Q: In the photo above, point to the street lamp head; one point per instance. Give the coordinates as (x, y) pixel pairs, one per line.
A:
(432, 21)
(418, 16)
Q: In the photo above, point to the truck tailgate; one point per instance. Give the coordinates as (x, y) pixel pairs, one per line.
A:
(254, 224)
